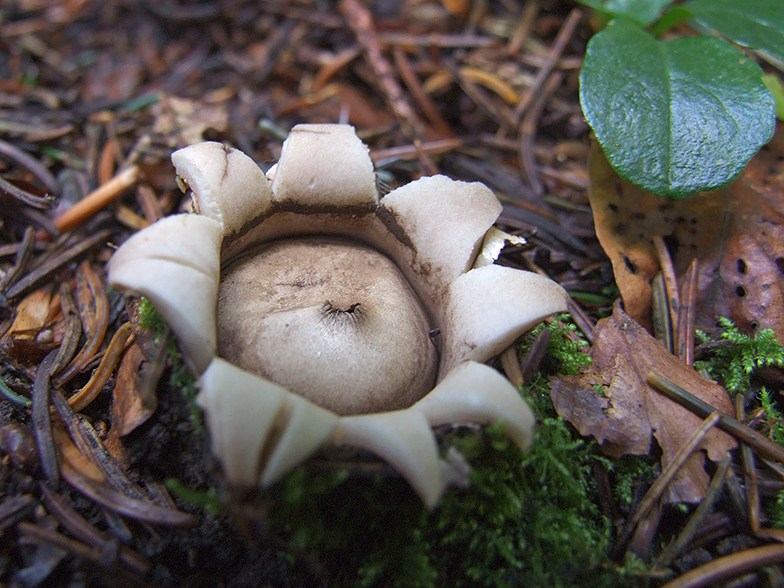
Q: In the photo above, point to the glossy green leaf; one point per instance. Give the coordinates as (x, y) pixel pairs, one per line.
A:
(674, 117)
(758, 24)
(643, 12)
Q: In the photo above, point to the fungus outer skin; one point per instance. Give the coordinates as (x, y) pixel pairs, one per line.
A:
(491, 306)
(306, 427)
(175, 264)
(476, 393)
(226, 184)
(259, 430)
(405, 440)
(445, 222)
(325, 166)
(240, 411)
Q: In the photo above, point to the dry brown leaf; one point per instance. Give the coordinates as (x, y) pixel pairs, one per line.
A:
(32, 313)
(34, 331)
(613, 402)
(188, 119)
(627, 218)
(71, 455)
(133, 402)
(736, 233)
(743, 278)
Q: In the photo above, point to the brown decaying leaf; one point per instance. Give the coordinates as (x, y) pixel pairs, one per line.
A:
(737, 234)
(188, 119)
(613, 402)
(133, 400)
(627, 218)
(32, 334)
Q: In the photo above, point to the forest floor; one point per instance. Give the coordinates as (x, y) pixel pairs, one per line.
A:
(122, 490)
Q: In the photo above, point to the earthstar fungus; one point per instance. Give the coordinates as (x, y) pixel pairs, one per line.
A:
(314, 311)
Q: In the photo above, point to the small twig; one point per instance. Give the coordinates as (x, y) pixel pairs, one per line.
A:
(14, 398)
(533, 359)
(528, 132)
(645, 532)
(328, 70)
(85, 395)
(660, 484)
(96, 200)
(685, 325)
(409, 152)
(561, 39)
(749, 472)
(499, 113)
(418, 94)
(512, 366)
(42, 422)
(73, 330)
(39, 534)
(91, 448)
(31, 216)
(457, 41)
(360, 20)
(427, 163)
(26, 197)
(22, 258)
(32, 165)
(140, 510)
(106, 159)
(39, 274)
(581, 319)
(660, 313)
(670, 282)
(84, 531)
(523, 28)
(729, 566)
(14, 508)
(726, 423)
(101, 302)
(712, 494)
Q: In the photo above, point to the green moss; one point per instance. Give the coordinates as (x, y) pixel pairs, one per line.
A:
(206, 499)
(733, 357)
(150, 318)
(632, 476)
(526, 520)
(775, 510)
(567, 351)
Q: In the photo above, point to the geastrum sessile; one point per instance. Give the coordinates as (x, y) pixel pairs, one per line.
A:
(314, 311)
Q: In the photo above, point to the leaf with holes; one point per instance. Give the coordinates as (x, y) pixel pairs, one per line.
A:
(627, 217)
(674, 117)
(613, 401)
(736, 233)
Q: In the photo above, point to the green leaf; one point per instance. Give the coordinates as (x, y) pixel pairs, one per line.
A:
(758, 24)
(669, 20)
(674, 117)
(776, 88)
(643, 12)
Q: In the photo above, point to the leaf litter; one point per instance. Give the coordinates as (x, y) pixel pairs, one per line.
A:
(75, 102)
(736, 234)
(613, 402)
